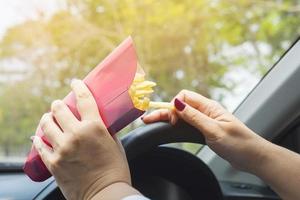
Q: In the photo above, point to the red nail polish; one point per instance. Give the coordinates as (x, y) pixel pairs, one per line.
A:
(179, 105)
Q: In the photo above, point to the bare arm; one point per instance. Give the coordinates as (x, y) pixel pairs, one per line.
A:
(281, 170)
(235, 142)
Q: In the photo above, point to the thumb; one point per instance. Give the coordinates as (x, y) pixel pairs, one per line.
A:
(205, 124)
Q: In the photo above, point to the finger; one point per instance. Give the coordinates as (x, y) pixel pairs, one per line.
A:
(193, 99)
(173, 117)
(157, 115)
(86, 103)
(50, 129)
(44, 150)
(205, 124)
(63, 115)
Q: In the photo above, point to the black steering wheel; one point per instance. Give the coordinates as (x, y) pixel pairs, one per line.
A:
(164, 173)
(161, 172)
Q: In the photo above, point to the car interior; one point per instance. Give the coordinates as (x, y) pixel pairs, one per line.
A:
(162, 172)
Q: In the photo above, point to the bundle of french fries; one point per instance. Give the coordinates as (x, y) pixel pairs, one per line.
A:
(140, 91)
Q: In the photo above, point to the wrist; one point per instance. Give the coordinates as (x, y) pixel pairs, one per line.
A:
(242, 148)
(115, 191)
(258, 155)
(105, 181)
(268, 152)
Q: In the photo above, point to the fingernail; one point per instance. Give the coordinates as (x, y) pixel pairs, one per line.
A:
(172, 121)
(32, 138)
(179, 105)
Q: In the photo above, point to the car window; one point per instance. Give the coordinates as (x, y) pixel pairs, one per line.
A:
(220, 49)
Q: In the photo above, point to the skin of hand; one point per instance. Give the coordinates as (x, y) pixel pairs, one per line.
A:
(86, 161)
(224, 133)
(235, 142)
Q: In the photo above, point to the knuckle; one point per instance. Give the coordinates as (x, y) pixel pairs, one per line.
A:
(215, 107)
(96, 125)
(183, 92)
(90, 127)
(215, 104)
(46, 128)
(84, 94)
(56, 106)
(63, 151)
(188, 92)
(74, 129)
(67, 148)
(209, 107)
(194, 117)
(44, 123)
(43, 119)
(55, 162)
(74, 142)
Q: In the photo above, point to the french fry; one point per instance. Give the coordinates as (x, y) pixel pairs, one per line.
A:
(144, 85)
(159, 105)
(140, 91)
(139, 78)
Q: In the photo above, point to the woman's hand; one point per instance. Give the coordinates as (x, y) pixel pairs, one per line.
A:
(235, 142)
(85, 159)
(223, 132)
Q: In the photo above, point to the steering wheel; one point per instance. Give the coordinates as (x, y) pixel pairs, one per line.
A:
(165, 173)
(161, 172)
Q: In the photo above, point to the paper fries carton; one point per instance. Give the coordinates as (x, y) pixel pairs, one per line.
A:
(109, 83)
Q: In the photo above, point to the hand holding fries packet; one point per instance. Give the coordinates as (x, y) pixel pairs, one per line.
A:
(121, 93)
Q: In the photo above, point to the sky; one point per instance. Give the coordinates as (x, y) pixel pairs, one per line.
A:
(13, 12)
(16, 11)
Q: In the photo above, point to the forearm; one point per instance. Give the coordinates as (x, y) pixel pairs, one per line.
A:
(116, 191)
(280, 168)
(236, 143)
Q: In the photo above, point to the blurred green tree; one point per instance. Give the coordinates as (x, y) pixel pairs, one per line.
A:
(181, 44)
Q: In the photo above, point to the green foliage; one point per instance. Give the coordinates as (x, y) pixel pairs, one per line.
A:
(180, 45)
